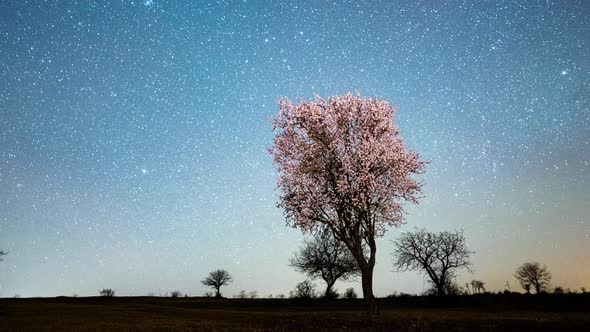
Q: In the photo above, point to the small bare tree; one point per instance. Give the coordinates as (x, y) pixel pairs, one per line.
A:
(328, 258)
(478, 286)
(107, 292)
(350, 294)
(533, 275)
(242, 295)
(438, 255)
(304, 290)
(216, 279)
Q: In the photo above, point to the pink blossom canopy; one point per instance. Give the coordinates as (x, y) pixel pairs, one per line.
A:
(342, 165)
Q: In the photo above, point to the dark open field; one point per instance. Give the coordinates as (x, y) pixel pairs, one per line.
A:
(466, 313)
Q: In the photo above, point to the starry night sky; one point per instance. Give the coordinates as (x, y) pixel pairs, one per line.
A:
(134, 135)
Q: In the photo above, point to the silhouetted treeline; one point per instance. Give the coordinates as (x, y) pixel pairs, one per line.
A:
(501, 300)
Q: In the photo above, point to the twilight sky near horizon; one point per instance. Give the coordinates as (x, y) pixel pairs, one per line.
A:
(134, 135)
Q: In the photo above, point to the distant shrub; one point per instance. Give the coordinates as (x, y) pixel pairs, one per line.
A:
(402, 295)
(281, 296)
(107, 292)
(304, 290)
(208, 294)
(175, 294)
(392, 295)
(332, 294)
(454, 289)
(350, 294)
(241, 295)
(558, 290)
(477, 287)
(583, 290)
(450, 288)
(430, 291)
(2, 253)
(253, 294)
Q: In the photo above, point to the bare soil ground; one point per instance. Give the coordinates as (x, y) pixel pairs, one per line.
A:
(467, 313)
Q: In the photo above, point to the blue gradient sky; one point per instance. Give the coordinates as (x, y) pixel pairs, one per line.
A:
(134, 135)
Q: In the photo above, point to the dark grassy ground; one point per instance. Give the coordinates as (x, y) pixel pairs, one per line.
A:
(465, 313)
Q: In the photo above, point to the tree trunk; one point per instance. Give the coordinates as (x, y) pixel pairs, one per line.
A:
(366, 266)
(367, 279)
(217, 292)
(328, 292)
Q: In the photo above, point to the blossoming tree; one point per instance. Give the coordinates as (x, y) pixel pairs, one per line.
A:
(344, 168)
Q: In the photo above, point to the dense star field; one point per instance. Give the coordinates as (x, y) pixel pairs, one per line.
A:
(134, 135)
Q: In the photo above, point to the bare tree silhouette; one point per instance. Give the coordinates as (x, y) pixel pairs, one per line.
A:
(438, 255)
(216, 279)
(2, 253)
(326, 257)
(477, 286)
(107, 292)
(304, 290)
(533, 275)
(350, 294)
(242, 295)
